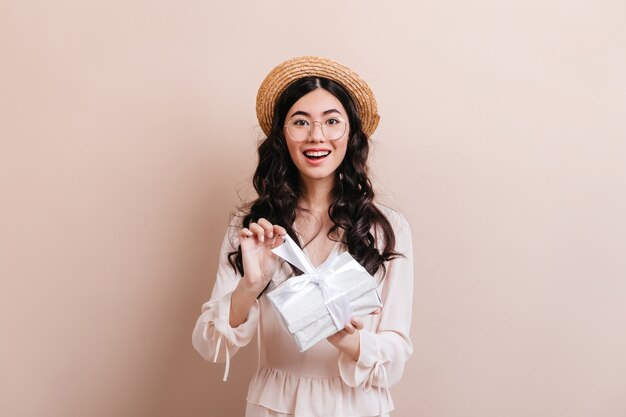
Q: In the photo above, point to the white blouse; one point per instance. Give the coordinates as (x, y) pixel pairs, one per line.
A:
(321, 381)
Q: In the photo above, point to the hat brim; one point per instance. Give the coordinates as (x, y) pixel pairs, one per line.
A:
(293, 69)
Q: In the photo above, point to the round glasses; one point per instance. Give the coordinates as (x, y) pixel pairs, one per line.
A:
(300, 130)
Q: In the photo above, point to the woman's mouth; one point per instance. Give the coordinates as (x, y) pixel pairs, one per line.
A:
(316, 155)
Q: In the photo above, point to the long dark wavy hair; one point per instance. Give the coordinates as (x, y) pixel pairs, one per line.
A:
(276, 181)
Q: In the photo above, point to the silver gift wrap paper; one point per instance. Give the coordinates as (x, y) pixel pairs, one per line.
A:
(302, 307)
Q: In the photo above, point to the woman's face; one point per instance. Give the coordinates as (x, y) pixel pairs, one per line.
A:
(317, 157)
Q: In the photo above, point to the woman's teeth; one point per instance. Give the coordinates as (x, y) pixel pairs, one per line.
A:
(316, 154)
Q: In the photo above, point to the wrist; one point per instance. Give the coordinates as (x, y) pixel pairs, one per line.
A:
(241, 301)
(349, 344)
(249, 290)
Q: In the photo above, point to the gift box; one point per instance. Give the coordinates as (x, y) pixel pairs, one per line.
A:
(320, 302)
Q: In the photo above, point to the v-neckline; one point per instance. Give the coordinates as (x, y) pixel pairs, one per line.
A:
(330, 255)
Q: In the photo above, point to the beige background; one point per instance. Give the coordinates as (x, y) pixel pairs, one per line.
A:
(128, 129)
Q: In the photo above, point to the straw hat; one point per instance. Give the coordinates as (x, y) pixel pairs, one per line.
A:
(293, 69)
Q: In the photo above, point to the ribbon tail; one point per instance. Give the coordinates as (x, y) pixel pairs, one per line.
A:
(338, 307)
(217, 348)
(258, 344)
(227, 366)
(217, 351)
(379, 367)
(293, 254)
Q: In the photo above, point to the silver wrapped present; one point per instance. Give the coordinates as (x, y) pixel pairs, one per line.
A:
(320, 302)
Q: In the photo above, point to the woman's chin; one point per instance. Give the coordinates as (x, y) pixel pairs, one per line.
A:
(317, 175)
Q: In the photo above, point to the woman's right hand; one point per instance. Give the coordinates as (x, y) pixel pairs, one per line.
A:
(259, 263)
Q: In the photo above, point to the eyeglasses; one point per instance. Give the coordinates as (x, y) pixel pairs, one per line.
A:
(300, 130)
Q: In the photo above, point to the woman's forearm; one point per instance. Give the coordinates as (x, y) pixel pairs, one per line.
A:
(241, 302)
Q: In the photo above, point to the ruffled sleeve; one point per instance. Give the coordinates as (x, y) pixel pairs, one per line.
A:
(213, 337)
(385, 348)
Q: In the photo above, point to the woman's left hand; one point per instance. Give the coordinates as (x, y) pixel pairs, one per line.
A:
(347, 339)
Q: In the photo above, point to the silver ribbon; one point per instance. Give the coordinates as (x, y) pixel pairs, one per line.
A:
(336, 302)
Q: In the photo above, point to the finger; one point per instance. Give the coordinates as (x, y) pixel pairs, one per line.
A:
(267, 227)
(279, 240)
(258, 231)
(280, 234)
(357, 323)
(245, 232)
(349, 328)
(377, 311)
(279, 230)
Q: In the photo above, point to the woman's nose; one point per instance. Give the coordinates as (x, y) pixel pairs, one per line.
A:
(316, 132)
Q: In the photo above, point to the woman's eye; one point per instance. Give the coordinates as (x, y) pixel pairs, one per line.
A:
(333, 121)
(300, 122)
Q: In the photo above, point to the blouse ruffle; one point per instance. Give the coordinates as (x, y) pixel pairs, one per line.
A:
(292, 394)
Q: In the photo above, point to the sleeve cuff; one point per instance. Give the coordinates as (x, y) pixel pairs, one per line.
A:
(218, 317)
(356, 373)
(213, 330)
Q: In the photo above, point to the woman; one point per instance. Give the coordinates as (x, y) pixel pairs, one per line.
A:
(312, 184)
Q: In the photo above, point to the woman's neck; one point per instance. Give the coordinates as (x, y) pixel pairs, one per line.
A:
(316, 194)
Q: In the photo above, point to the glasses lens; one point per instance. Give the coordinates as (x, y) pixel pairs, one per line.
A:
(298, 130)
(334, 129)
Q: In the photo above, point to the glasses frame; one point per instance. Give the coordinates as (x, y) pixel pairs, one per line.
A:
(286, 125)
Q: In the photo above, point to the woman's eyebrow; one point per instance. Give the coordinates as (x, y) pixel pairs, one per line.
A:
(300, 112)
(303, 113)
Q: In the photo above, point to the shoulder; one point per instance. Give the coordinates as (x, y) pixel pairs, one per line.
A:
(399, 226)
(235, 223)
(236, 218)
(396, 219)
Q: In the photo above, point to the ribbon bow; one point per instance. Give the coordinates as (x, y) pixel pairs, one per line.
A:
(336, 303)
